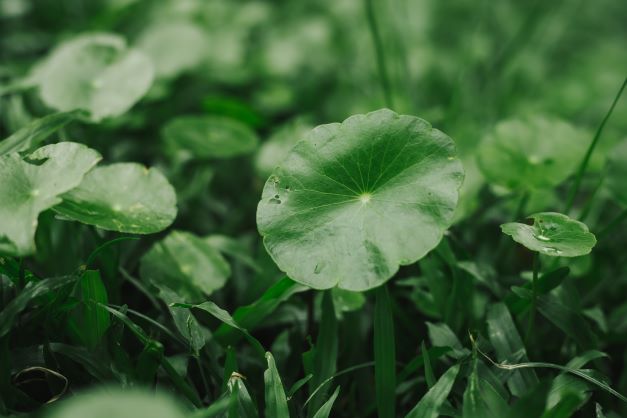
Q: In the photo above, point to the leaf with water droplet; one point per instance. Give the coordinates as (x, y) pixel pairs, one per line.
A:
(186, 264)
(97, 73)
(123, 197)
(535, 152)
(365, 196)
(552, 234)
(33, 184)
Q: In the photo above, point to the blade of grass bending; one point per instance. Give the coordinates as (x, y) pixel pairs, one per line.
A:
(299, 384)
(586, 159)
(429, 405)
(222, 315)
(96, 252)
(429, 376)
(325, 351)
(30, 293)
(508, 345)
(347, 370)
(325, 409)
(251, 315)
(384, 355)
(276, 401)
(179, 382)
(542, 365)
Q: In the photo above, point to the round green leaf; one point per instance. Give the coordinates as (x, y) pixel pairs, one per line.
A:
(208, 137)
(96, 73)
(353, 201)
(118, 403)
(616, 179)
(552, 234)
(124, 197)
(531, 153)
(186, 264)
(33, 184)
(174, 46)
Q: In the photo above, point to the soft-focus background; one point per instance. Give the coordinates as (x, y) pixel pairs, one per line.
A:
(271, 70)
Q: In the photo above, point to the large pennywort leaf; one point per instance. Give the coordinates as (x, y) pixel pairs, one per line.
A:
(353, 201)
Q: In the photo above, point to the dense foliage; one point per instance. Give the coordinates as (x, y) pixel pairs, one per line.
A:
(339, 208)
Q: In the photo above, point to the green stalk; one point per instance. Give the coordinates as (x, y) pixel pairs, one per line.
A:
(586, 159)
(534, 291)
(378, 48)
(613, 223)
(384, 355)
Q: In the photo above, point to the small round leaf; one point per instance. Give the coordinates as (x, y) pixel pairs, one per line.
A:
(96, 73)
(174, 46)
(185, 264)
(33, 184)
(124, 197)
(531, 153)
(208, 137)
(353, 201)
(552, 234)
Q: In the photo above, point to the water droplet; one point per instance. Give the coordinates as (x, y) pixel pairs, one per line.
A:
(543, 237)
(551, 250)
(534, 159)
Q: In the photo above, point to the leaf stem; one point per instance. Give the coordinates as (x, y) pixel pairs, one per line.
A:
(384, 354)
(586, 159)
(378, 48)
(534, 291)
(613, 223)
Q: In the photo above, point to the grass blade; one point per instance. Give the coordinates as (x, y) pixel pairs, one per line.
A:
(276, 401)
(384, 355)
(509, 347)
(429, 405)
(325, 409)
(325, 351)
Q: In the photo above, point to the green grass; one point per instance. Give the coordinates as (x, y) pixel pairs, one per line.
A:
(313, 209)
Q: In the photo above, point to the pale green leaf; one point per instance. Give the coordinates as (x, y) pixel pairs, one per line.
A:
(33, 184)
(96, 73)
(123, 197)
(552, 234)
(119, 403)
(535, 152)
(186, 264)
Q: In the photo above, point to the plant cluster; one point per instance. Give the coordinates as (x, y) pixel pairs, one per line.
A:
(217, 208)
